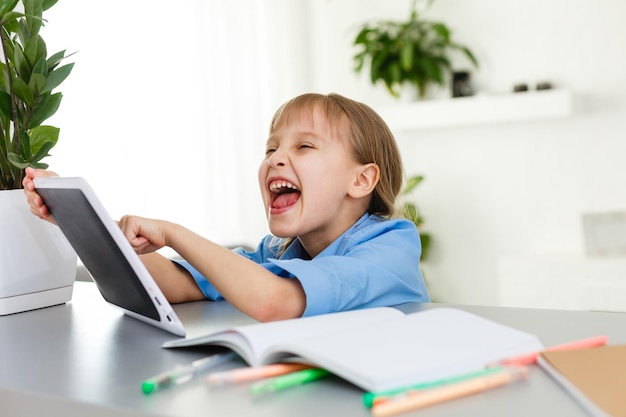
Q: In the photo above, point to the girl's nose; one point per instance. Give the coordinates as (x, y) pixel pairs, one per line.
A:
(276, 159)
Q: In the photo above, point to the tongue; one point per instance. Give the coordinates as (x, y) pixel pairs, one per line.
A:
(286, 199)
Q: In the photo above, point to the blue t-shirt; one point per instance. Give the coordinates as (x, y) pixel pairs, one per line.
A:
(374, 263)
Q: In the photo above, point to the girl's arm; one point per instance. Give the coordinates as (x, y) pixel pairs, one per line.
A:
(246, 285)
(175, 282)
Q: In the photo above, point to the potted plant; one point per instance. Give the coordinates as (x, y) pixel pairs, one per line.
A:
(26, 96)
(415, 52)
(411, 212)
(33, 253)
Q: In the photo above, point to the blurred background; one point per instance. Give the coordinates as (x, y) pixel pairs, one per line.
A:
(167, 110)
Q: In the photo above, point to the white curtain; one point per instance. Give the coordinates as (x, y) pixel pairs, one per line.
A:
(235, 74)
(255, 57)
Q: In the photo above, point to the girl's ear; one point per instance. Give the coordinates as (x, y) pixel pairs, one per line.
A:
(365, 181)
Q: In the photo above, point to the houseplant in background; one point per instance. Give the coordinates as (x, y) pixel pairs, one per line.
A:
(411, 212)
(37, 264)
(415, 52)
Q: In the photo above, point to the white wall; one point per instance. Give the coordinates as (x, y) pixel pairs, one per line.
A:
(497, 191)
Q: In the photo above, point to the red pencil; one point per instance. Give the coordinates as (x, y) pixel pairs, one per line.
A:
(530, 358)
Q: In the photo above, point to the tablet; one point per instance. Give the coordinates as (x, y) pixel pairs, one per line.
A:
(115, 267)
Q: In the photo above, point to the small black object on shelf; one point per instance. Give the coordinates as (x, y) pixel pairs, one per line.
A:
(518, 88)
(544, 85)
(461, 86)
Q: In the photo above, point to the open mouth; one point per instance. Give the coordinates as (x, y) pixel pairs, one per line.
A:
(283, 194)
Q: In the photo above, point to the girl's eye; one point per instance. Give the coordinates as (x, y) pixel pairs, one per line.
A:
(305, 146)
(269, 151)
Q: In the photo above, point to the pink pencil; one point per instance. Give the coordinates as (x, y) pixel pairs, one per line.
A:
(530, 358)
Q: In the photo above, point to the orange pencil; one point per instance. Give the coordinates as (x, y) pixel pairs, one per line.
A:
(414, 400)
(531, 358)
(251, 374)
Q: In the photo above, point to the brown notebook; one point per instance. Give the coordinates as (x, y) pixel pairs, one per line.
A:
(596, 377)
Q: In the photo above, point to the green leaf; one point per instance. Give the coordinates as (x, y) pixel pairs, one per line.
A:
(22, 163)
(7, 6)
(56, 77)
(377, 68)
(395, 73)
(48, 4)
(20, 63)
(41, 66)
(17, 160)
(5, 104)
(23, 92)
(359, 61)
(442, 31)
(3, 147)
(43, 152)
(9, 51)
(361, 37)
(468, 54)
(10, 21)
(46, 109)
(411, 183)
(43, 137)
(37, 84)
(55, 59)
(406, 56)
(3, 72)
(34, 11)
(39, 165)
(410, 211)
(25, 145)
(34, 49)
(23, 32)
(425, 240)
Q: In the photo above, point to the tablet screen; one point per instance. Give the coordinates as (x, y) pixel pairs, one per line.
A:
(96, 248)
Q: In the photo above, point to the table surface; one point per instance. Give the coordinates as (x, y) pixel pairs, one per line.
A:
(87, 358)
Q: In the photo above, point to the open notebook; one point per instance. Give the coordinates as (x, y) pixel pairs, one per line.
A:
(100, 244)
(377, 349)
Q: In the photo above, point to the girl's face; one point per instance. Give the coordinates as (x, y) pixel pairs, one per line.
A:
(305, 180)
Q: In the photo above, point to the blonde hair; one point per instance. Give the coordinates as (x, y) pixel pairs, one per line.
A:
(370, 137)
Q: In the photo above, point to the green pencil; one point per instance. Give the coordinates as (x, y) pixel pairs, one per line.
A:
(370, 397)
(287, 381)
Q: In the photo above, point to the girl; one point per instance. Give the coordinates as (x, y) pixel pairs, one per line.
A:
(329, 181)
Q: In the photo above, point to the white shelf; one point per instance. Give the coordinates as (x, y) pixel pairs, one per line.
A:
(479, 109)
(563, 282)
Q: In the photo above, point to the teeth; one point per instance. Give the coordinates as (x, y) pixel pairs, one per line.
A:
(278, 185)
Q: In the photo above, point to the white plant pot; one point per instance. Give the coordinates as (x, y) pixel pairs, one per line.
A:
(37, 263)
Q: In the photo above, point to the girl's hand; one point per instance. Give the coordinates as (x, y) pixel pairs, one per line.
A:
(144, 235)
(35, 202)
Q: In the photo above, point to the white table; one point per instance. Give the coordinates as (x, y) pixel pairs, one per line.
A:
(85, 358)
